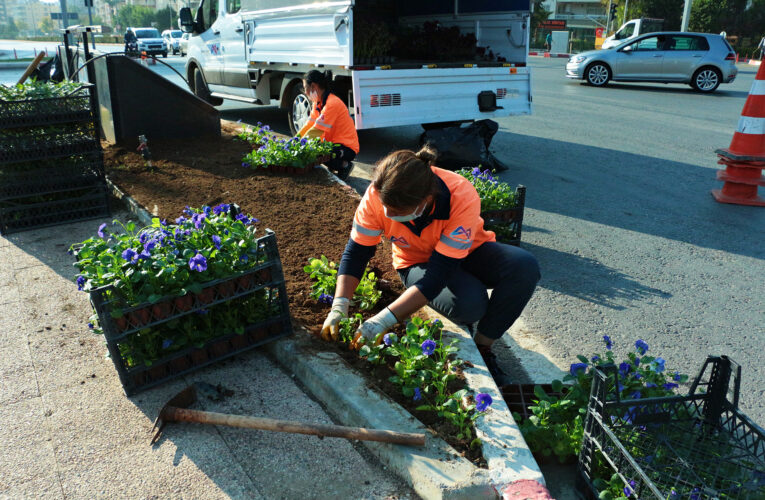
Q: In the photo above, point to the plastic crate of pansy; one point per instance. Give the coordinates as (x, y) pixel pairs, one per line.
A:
(695, 446)
(202, 289)
(501, 205)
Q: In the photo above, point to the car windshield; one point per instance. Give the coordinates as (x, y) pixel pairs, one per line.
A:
(176, 34)
(147, 33)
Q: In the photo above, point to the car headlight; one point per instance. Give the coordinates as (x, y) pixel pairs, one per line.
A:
(578, 59)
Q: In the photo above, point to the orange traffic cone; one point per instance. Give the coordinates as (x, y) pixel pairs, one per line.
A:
(745, 158)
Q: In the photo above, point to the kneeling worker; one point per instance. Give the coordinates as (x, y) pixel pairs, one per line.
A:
(441, 251)
(331, 121)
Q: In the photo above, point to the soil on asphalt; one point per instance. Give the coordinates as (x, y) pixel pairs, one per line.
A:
(310, 214)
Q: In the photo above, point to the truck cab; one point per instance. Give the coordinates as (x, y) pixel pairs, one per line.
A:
(632, 29)
(256, 51)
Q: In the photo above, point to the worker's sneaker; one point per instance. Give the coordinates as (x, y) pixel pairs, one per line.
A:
(500, 377)
(345, 171)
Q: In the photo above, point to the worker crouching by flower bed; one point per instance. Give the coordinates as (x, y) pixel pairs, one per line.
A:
(441, 251)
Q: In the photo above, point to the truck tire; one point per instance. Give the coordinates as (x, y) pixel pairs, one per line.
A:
(201, 90)
(299, 110)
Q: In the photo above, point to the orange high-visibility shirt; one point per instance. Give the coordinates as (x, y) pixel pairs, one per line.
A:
(456, 228)
(335, 121)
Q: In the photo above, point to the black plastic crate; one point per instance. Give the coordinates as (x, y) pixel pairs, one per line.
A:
(48, 177)
(507, 223)
(132, 332)
(68, 140)
(519, 397)
(32, 212)
(75, 107)
(697, 446)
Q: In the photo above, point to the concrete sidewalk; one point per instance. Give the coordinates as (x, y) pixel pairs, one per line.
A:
(68, 430)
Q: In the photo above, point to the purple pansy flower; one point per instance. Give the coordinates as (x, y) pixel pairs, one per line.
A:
(577, 368)
(428, 347)
(482, 401)
(101, 233)
(417, 394)
(216, 241)
(198, 263)
(80, 282)
(641, 346)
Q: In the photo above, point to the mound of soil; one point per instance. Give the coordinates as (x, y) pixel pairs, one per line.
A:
(310, 214)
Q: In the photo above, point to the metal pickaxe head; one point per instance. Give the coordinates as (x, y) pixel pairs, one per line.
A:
(183, 399)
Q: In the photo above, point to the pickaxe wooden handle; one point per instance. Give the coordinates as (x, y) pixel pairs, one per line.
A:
(173, 414)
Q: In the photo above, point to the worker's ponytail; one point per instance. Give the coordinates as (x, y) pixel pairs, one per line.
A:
(404, 178)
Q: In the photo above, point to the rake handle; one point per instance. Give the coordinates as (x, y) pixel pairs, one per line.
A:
(173, 414)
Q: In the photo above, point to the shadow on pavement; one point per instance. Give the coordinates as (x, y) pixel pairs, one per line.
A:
(640, 193)
(588, 279)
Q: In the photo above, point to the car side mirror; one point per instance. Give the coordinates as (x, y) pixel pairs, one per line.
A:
(627, 49)
(185, 20)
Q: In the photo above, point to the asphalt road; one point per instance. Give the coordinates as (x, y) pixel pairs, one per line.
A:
(619, 214)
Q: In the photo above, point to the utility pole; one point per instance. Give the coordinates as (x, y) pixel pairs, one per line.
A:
(89, 5)
(626, 8)
(686, 15)
(608, 18)
(64, 17)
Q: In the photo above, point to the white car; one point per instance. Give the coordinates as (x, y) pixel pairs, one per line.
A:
(172, 40)
(150, 41)
(183, 45)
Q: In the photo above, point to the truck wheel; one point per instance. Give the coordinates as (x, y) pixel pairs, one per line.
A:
(201, 90)
(164, 54)
(300, 109)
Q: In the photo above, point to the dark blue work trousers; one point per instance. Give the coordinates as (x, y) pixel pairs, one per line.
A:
(511, 272)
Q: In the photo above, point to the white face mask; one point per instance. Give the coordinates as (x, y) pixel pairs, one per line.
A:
(405, 218)
(314, 96)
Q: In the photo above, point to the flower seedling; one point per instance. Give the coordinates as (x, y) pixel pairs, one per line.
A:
(324, 272)
(270, 150)
(495, 195)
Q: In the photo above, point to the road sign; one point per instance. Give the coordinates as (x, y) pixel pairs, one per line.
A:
(71, 16)
(598, 32)
(553, 24)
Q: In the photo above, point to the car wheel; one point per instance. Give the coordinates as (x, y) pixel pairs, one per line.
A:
(597, 74)
(706, 80)
(201, 90)
(300, 109)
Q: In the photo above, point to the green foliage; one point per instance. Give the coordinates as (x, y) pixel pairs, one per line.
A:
(324, 272)
(139, 16)
(145, 265)
(348, 327)
(555, 426)
(269, 149)
(495, 195)
(33, 89)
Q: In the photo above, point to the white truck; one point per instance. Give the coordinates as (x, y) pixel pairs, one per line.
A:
(376, 52)
(632, 29)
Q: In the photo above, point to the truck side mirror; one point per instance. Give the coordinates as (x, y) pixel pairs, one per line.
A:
(185, 20)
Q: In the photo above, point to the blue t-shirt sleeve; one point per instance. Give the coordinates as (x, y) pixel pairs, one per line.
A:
(355, 259)
(440, 268)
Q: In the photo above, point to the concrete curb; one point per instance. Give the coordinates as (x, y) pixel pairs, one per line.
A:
(13, 65)
(436, 471)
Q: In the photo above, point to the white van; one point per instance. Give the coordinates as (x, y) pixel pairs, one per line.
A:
(631, 29)
(256, 51)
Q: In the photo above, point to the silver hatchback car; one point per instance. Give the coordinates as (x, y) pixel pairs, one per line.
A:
(702, 60)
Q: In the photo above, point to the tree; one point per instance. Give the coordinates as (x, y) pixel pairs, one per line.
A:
(21, 25)
(539, 15)
(714, 16)
(9, 30)
(47, 25)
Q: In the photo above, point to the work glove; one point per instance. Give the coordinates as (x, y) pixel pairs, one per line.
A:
(373, 329)
(331, 328)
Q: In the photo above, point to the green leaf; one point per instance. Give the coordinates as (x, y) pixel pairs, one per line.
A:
(155, 221)
(606, 495)
(557, 385)
(365, 351)
(583, 359)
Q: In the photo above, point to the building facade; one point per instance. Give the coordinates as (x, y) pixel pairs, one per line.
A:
(581, 16)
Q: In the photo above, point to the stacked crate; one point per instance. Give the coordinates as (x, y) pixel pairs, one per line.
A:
(51, 163)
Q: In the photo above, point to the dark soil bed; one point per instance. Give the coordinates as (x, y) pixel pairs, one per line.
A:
(310, 214)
